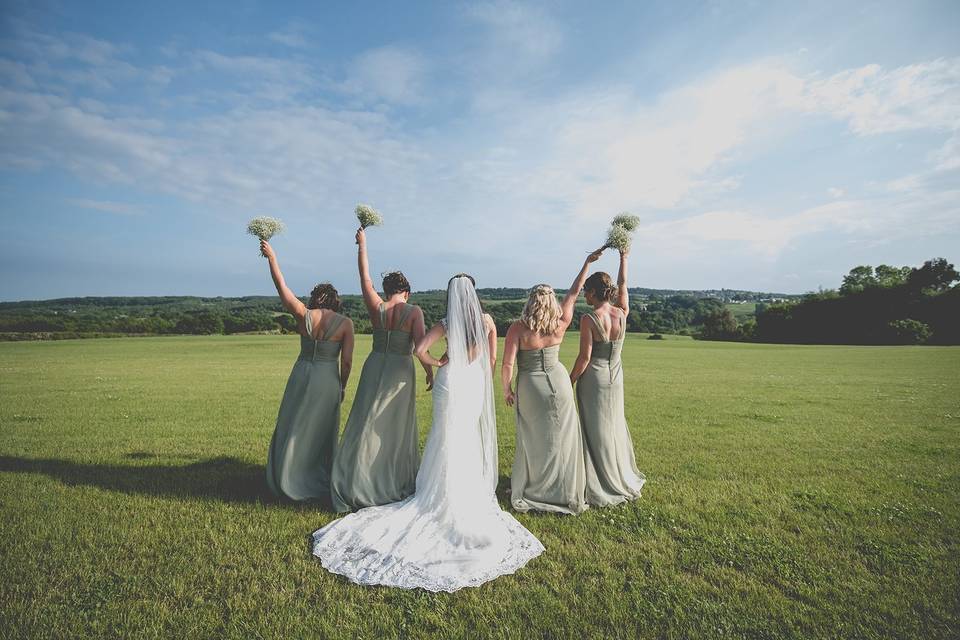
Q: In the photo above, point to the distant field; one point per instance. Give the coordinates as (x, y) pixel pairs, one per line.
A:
(742, 311)
(793, 492)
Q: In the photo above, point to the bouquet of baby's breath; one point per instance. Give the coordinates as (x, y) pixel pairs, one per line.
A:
(618, 238)
(368, 216)
(620, 234)
(265, 227)
(627, 221)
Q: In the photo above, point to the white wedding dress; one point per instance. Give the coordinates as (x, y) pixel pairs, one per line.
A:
(451, 533)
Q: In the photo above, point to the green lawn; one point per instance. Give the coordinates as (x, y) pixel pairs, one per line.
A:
(793, 492)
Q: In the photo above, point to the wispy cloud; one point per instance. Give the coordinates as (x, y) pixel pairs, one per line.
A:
(876, 221)
(609, 149)
(875, 100)
(391, 73)
(520, 31)
(293, 36)
(107, 206)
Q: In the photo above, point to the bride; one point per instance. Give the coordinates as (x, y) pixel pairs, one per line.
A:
(451, 533)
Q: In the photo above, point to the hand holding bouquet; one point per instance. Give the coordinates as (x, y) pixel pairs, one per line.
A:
(265, 228)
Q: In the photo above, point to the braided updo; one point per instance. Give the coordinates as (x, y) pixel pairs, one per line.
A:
(324, 296)
(542, 312)
(601, 286)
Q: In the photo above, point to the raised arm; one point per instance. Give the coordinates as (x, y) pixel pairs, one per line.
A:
(418, 330)
(422, 350)
(346, 356)
(586, 349)
(370, 296)
(623, 296)
(290, 302)
(510, 347)
(570, 300)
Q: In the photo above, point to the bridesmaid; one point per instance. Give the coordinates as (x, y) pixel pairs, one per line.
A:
(549, 470)
(378, 458)
(305, 439)
(598, 374)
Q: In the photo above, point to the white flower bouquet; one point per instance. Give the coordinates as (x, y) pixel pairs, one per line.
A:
(628, 221)
(265, 228)
(618, 237)
(620, 234)
(368, 216)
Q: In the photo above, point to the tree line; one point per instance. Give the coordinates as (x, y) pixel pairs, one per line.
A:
(120, 316)
(882, 305)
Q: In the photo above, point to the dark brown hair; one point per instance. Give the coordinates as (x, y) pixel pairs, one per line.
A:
(601, 286)
(395, 282)
(324, 296)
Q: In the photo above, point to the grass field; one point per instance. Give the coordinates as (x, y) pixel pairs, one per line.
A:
(793, 492)
(743, 311)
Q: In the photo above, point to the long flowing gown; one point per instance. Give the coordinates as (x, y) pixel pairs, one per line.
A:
(451, 533)
(305, 438)
(378, 457)
(600, 400)
(549, 470)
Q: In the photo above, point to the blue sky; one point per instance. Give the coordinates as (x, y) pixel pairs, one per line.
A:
(765, 146)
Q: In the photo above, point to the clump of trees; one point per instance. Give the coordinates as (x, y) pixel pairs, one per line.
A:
(882, 305)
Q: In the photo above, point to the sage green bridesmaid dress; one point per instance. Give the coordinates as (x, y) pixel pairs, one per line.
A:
(614, 477)
(305, 439)
(378, 458)
(549, 470)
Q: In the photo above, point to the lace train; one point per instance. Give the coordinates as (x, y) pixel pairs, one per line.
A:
(344, 547)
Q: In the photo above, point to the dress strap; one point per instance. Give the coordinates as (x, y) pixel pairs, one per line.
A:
(383, 317)
(307, 323)
(604, 335)
(332, 325)
(404, 314)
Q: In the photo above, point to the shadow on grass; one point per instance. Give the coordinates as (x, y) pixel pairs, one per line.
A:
(224, 478)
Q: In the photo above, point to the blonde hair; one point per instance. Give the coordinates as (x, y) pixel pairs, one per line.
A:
(542, 312)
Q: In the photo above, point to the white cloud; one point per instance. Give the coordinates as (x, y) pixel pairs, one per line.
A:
(607, 149)
(610, 150)
(253, 158)
(947, 157)
(292, 37)
(836, 192)
(519, 30)
(76, 59)
(875, 100)
(870, 221)
(506, 60)
(388, 73)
